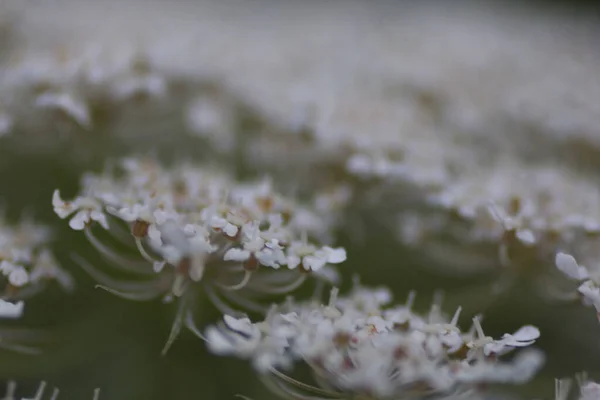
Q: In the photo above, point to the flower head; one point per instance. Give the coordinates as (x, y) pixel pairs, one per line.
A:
(356, 345)
(198, 231)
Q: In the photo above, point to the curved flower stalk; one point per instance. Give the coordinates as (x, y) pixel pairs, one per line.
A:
(359, 345)
(197, 232)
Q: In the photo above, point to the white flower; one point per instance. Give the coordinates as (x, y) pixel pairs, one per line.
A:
(26, 263)
(86, 210)
(363, 350)
(62, 208)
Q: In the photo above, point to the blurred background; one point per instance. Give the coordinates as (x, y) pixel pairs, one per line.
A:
(238, 84)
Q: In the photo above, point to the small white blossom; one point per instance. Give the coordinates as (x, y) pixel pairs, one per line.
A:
(26, 265)
(86, 210)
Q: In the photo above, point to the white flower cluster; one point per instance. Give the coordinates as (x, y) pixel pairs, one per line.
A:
(26, 263)
(68, 93)
(194, 226)
(26, 267)
(513, 216)
(359, 345)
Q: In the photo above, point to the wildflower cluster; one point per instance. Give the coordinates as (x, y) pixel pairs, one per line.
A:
(26, 262)
(194, 228)
(360, 345)
(26, 267)
(399, 126)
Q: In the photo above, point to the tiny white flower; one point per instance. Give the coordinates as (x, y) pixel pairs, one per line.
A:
(62, 208)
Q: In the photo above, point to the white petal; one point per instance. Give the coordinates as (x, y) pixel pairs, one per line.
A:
(242, 325)
(231, 230)
(61, 208)
(155, 236)
(335, 256)
(99, 217)
(79, 221)
(526, 236)
(527, 333)
(566, 264)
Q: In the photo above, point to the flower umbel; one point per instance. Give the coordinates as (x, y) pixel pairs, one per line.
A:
(360, 346)
(199, 232)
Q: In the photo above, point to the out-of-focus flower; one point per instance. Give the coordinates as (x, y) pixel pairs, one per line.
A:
(360, 346)
(26, 263)
(199, 233)
(26, 267)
